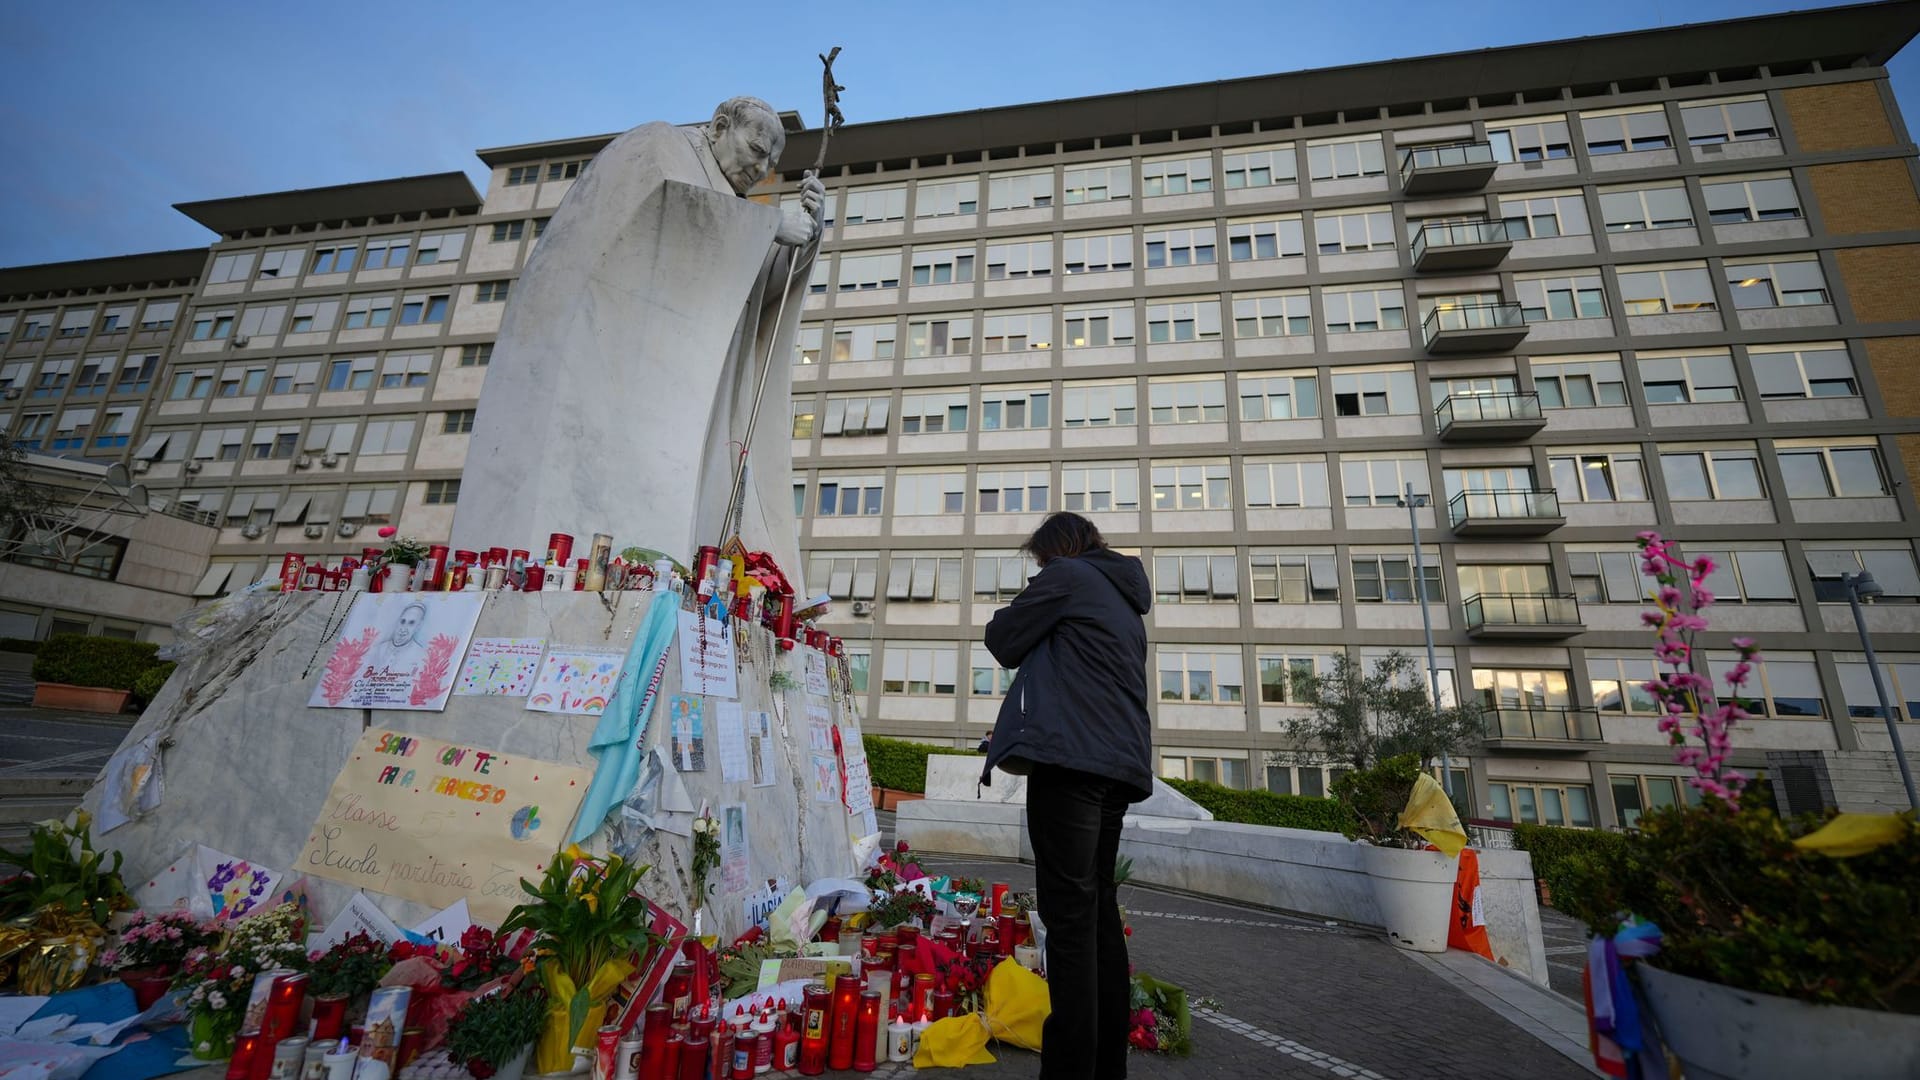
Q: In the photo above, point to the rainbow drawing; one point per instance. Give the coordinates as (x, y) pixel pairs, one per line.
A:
(539, 701)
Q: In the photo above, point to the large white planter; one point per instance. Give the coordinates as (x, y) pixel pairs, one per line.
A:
(1720, 1033)
(1414, 892)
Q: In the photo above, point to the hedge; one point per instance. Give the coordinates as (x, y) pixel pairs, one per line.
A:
(147, 686)
(1553, 847)
(19, 645)
(78, 660)
(902, 765)
(1266, 807)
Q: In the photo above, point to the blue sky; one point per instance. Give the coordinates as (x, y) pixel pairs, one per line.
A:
(111, 111)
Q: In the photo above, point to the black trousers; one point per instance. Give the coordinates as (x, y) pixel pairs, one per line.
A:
(1073, 820)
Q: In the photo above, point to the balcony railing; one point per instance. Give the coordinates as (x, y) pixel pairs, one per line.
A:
(1522, 611)
(1543, 724)
(1452, 167)
(1459, 234)
(1487, 408)
(1491, 325)
(1515, 504)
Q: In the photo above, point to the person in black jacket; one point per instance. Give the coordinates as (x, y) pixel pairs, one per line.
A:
(1075, 724)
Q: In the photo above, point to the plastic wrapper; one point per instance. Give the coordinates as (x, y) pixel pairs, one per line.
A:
(218, 623)
(1016, 1010)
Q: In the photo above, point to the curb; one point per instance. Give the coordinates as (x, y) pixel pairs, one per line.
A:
(1535, 1010)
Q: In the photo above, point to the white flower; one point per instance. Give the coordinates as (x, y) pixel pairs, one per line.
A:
(217, 999)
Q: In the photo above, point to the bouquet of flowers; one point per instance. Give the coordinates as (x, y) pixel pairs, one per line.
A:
(352, 967)
(496, 1028)
(1161, 1021)
(482, 958)
(706, 855)
(892, 909)
(157, 941)
(219, 979)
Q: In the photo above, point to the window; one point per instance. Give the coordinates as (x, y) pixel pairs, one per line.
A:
(314, 316)
(486, 292)
(136, 373)
(1020, 191)
(919, 493)
(1200, 674)
(1727, 121)
(1012, 491)
(1540, 139)
(1196, 577)
(1197, 320)
(1019, 259)
(1579, 384)
(1679, 379)
(350, 373)
(523, 174)
(95, 372)
(1475, 386)
(1278, 396)
(1626, 130)
(1098, 486)
(949, 199)
(1374, 392)
(1287, 483)
(442, 493)
(1364, 308)
(386, 252)
(1015, 408)
(567, 170)
(1545, 214)
(989, 678)
(866, 206)
(1780, 282)
(221, 444)
(1273, 315)
(238, 381)
(1256, 168)
(1227, 768)
(1337, 159)
(940, 335)
(159, 314)
(31, 429)
(1098, 253)
(370, 505)
(1732, 200)
(820, 276)
(1513, 579)
(476, 355)
(1000, 575)
(1292, 576)
(336, 259)
(1635, 795)
(258, 320)
(275, 443)
(942, 266)
(1891, 565)
(803, 418)
(1599, 476)
(1099, 404)
(16, 375)
(1187, 401)
(1097, 327)
(54, 375)
(367, 312)
(332, 438)
(1785, 685)
(1716, 474)
(540, 226)
(1190, 246)
(74, 427)
(1519, 690)
(931, 412)
(1804, 371)
(504, 231)
(846, 575)
(186, 385)
(442, 247)
(1193, 485)
(926, 577)
(1828, 472)
(1542, 804)
(1368, 480)
(1549, 298)
(863, 341)
(1098, 183)
(405, 370)
(1747, 574)
(457, 422)
(806, 345)
(79, 552)
(387, 437)
(282, 263)
(212, 324)
(1640, 209)
(849, 496)
(36, 325)
(1277, 238)
(1176, 176)
(859, 273)
(117, 319)
(1661, 290)
(1016, 331)
(1602, 576)
(418, 308)
(235, 267)
(917, 670)
(1365, 229)
(856, 414)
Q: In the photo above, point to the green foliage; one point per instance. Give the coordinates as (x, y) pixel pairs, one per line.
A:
(1266, 807)
(584, 913)
(901, 765)
(1739, 904)
(147, 686)
(893, 909)
(79, 660)
(406, 551)
(1377, 796)
(61, 868)
(1554, 849)
(353, 966)
(20, 645)
(493, 1030)
(1363, 713)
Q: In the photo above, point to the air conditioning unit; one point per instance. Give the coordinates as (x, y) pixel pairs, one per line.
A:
(314, 532)
(13, 393)
(328, 461)
(195, 466)
(141, 465)
(239, 342)
(252, 531)
(304, 461)
(863, 607)
(346, 529)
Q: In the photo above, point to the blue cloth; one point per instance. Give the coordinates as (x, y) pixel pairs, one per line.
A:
(623, 725)
(143, 1054)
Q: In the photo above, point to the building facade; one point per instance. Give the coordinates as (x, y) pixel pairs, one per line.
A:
(1236, 324)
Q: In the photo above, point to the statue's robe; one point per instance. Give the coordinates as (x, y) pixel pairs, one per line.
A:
(626, 365)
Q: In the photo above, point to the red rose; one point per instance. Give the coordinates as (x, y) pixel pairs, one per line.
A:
(1143, 1038)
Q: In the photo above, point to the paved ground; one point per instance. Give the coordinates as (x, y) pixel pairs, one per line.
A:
(1566, 953)
(47, 742)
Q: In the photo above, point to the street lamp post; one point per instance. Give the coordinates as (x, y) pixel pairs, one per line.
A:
(1413, 503)
(1862, 585)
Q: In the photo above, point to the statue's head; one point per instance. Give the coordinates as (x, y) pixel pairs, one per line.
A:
(746, 138)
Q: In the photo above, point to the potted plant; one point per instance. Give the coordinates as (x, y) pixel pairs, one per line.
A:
(339, 976)
(588, 925)
(402, 558)
(219, 979)
(61, 869)
(89, 674)
(1412, 887)
(493, 1036)
(1768, 947)
(151, 948)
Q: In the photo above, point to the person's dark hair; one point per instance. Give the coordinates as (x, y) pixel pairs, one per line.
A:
(1063, 536)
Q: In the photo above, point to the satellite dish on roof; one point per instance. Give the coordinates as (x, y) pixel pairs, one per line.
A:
(117, 475)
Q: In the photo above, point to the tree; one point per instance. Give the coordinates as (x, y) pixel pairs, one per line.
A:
(1362, 716)
(23, 503)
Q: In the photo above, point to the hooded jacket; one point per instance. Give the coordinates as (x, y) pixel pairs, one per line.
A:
(1079, 699)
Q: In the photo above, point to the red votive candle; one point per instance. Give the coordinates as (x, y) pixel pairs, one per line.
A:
(923, 991)
(329, 1018)
(693, 1058)
(283, 1005)
(244, 1048)
(653, 1041)
(998, 897)
(907, 934)
(866, 1041)
(843, 1020)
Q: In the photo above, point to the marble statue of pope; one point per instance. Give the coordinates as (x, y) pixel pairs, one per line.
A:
(628, 357)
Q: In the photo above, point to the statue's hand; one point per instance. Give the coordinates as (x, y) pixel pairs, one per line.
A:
(801, 226)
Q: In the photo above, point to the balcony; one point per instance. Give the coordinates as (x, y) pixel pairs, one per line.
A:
(1516, 512)
(1542, 728)
(1463, 328)
(1489, 417)
(1461, 245)
(1517, 616)
(1431, 170)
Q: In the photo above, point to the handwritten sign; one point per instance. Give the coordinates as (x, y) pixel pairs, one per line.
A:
(397, 651)
(733, 741)
(707, 664)
(436, 821)
(500, 666)
(817, 674)
(577, 679)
